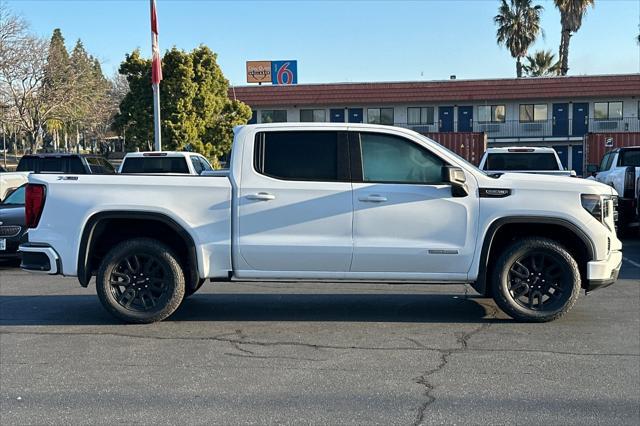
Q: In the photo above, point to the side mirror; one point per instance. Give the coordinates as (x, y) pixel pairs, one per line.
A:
(592, 168)
(456, 177)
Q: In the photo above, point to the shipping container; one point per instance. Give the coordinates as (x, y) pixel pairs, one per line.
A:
(468, 145)
(596, 145)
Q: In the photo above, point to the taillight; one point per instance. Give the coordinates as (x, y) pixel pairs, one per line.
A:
(34, 203)
(629, 182)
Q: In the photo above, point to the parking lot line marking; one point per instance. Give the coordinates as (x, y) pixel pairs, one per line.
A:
(634, 263)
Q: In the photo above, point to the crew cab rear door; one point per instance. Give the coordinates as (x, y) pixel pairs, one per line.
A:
(407, 223)
(294, 204)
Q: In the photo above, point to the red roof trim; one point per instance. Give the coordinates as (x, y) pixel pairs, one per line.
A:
(441, 91)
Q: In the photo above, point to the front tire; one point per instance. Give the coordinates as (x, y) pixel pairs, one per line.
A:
(140, 281)
(536, 280)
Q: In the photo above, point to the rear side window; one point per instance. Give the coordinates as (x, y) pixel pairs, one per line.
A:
(75, 165)
(522, 161)
(155, 165)
(310, 156)
(630, 158)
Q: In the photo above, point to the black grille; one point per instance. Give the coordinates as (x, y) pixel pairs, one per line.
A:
(9, 230)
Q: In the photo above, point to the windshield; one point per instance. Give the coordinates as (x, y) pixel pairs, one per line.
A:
(630, 158)
(16, 197)
(521, 161)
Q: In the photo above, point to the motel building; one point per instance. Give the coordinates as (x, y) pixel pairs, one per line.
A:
(563, 112)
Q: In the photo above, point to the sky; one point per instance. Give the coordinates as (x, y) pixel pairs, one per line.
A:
(338, 41)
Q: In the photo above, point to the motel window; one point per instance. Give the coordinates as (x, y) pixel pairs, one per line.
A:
(273, 116)
(491, 113)
(607, 110)
(313, 115)
(533, 112)
(420, 115)
(380, 116)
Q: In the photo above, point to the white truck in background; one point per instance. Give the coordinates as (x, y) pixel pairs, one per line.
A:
(620, 169)
(523, 159)
(326, 202)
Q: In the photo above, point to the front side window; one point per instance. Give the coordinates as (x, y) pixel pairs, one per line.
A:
(390, 159)
(380, 116)
(205, 164)
(313, 115)
(533, 112)
(603, 163)
(420, 115)
(491, 113)
(607, 110)
(197, 166)
(607, 166)
(311, 156)
(273, 116)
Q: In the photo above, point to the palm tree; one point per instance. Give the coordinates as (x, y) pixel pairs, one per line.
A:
(518, 27)
(571, 14)
(542, 63)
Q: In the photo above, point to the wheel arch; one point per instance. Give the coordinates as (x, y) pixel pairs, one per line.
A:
(558, 229)
(137, 224)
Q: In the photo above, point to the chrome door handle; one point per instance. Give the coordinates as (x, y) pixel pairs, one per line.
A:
(373, 198)
(261, 196)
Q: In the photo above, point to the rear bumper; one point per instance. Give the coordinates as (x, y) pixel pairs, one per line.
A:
(40, 258)
(603, 273)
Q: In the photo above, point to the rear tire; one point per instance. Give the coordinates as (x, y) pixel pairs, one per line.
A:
(536, 280)
(140, 281)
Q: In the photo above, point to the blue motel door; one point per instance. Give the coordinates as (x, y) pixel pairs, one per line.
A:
(563, 154)
(355, 115)
(579, 123)
(465, 118)
(577, 157)
(336, 115)
(560, 120)
(445, 119)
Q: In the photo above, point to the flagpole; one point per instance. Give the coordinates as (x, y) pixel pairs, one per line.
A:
(157, 142)
(156, 76)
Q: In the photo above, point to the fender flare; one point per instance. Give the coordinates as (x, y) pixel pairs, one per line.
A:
(480, 284)
(87, 239)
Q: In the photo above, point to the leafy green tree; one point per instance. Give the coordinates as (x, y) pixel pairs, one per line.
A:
(518, 27)
(542, 63)
(196, 112)
(571, 14)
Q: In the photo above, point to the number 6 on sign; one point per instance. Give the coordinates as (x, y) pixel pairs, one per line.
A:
(284, 72)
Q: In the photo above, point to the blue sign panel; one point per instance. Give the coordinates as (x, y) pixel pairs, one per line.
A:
(284, 72)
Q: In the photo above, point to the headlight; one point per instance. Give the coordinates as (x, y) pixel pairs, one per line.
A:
(599, 206)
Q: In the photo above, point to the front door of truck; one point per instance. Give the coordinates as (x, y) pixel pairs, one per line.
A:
(294, 203)
(406, 220)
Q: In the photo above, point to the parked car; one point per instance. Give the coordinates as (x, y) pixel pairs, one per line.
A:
(327, 202)
(13, 230)
(65, 163)
(165, 162)
(538, 160)
(620, 169)
(9, 181)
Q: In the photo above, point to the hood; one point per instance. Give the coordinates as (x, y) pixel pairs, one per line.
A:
(552, 183)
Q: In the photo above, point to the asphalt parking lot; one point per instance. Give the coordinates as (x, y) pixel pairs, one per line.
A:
(313, 353)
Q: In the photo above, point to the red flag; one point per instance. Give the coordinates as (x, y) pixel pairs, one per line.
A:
(156, 66)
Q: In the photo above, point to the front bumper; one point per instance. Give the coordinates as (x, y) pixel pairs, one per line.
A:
(40, 258)
(603, 273)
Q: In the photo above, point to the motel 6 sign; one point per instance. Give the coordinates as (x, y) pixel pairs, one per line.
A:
(274, 72)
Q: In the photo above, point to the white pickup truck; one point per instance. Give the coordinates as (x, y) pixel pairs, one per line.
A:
(620, 169)
(523, 159)
(326, 202)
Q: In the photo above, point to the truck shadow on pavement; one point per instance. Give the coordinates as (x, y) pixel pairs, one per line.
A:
(402, 308)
